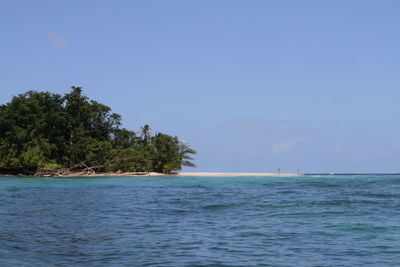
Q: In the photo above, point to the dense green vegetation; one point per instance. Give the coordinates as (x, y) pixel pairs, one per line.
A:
(44, 132)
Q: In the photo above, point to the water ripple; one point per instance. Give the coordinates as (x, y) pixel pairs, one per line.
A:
(195, 221)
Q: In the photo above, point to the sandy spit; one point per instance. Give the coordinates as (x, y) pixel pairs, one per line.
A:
(215, 174)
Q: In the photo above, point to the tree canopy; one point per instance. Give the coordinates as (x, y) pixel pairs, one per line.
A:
(42, 131)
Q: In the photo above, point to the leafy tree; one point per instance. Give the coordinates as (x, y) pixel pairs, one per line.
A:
(123, 138)
(31, 131)
(167, 157)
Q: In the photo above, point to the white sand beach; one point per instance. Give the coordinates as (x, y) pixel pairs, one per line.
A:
(214, 174)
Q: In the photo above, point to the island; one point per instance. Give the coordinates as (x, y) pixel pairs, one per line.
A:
(48, 134)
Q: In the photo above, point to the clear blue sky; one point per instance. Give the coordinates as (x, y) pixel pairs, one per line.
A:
(252, 85)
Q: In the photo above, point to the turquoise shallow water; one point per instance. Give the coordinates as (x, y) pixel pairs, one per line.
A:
(194, 221)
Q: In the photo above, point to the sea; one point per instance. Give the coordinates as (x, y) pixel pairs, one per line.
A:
(313, 220)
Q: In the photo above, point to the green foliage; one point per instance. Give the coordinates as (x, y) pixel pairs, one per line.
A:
(166, 156)
(41, 131)
(51, 167)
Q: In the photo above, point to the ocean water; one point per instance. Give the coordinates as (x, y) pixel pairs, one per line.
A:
(200, 221)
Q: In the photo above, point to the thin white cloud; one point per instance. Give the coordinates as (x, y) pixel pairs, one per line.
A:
(248, 123)
(287, 145)
(261, 124)
(58, 41)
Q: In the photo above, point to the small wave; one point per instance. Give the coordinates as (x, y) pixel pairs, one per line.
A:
(287, 192)
(380, 195)
(251, 234)
(13, 189)
(180, 211)
(195, 186)
(195, 264)
(219, 206)
(360, 228)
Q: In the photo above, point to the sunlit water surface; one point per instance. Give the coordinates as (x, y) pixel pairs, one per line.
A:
(195, 221)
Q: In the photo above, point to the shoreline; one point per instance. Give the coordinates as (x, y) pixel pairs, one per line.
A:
(156, 174)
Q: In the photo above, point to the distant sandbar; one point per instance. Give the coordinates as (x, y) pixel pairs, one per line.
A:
(205, 174)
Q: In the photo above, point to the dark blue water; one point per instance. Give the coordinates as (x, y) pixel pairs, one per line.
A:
(193, 221)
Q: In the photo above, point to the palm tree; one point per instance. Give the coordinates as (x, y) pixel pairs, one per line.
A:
(184, 150)
(145, 132)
